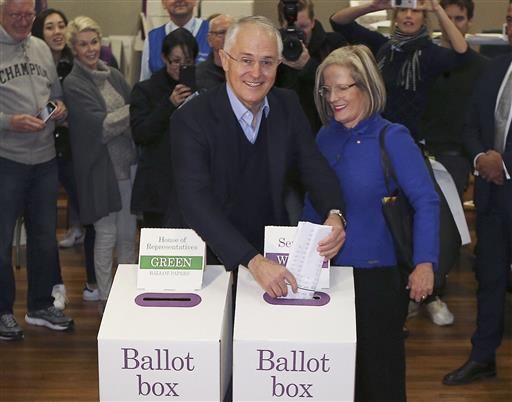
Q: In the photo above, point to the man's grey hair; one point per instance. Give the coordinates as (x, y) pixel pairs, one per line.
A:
(4, 2)
(258, 20)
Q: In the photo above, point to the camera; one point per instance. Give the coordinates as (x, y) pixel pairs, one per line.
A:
(404, 3)
(292, 37)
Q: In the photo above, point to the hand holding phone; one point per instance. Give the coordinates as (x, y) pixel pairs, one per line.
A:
(188, 75)
(47, 111)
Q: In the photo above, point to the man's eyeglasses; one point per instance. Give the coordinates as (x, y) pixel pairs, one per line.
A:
(22, 16)
(508, 19)
(218, 33)
(325, 91)
(248, 62)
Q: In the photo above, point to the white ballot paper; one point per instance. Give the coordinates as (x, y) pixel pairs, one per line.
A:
(304, 261)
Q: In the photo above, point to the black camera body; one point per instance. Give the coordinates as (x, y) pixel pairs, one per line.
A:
(292, 37)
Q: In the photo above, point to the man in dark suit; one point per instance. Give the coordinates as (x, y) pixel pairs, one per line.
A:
(488, 140)
(233, 149)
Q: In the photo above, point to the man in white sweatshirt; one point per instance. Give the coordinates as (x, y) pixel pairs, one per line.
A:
(28, 169)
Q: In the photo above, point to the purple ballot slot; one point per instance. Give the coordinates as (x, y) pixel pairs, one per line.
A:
(168, 300)
(319, 299)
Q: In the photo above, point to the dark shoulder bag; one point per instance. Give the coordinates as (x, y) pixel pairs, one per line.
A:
(399, 216)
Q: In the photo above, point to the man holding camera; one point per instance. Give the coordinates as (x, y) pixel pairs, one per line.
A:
(306, 45)
(28, 168)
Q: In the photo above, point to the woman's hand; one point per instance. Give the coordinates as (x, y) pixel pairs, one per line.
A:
(381, 4)
(428, 5)
(179, 94)
(421, 282)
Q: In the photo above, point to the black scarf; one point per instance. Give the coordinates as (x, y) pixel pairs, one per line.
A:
(411, 44)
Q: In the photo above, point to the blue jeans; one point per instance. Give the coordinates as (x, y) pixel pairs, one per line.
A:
(30, 190)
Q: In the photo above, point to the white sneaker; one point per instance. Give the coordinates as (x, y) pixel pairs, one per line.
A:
(413, 309)
(90, 293)
(59, 294)
(75, 235)
(439, 313)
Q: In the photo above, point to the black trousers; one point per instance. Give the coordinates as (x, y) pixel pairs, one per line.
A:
(494, 256)
(380, 301)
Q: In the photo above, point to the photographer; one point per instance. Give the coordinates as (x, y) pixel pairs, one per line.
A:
(409, 61)
(297, 71)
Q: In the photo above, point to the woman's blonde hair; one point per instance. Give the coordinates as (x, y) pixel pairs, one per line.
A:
(365, 73)
(78, 25)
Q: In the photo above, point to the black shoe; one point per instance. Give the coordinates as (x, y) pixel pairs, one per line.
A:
(471, 371)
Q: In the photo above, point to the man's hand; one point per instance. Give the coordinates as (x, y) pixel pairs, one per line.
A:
(61, 112)
(26, 123)
(271, 276)
(490, 167)
(421, 282)
(330, 246)
(301, 61)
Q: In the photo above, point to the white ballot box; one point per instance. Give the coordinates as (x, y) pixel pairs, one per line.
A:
(166, 346)
(296, 351)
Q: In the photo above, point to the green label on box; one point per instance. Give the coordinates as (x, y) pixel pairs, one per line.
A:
(171, 262)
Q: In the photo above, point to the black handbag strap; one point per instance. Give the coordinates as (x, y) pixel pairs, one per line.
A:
(389, 173)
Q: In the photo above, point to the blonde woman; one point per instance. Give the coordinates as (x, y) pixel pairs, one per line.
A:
(103, 150)
(350, 96)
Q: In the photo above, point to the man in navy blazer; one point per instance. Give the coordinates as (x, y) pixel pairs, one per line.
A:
(488, 140)
(233, 149)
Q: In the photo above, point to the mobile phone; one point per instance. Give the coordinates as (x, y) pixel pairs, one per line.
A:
(47, 111)
(188, 75)
(404, 3)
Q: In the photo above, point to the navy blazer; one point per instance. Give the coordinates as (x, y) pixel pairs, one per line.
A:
(480, 124)
(204, 137)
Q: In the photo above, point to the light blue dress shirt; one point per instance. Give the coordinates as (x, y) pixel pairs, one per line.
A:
(249, 122)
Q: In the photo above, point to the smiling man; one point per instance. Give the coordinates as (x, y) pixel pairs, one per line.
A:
(181, 15)
(232, 150)
(28, 168)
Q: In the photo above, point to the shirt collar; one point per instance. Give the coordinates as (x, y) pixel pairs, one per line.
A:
(240, 109)
(189, 26)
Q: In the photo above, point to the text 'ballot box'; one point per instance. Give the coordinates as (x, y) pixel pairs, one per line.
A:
(295, 352)
(166, 346)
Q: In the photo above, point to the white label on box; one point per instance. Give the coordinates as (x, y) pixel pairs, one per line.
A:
(170, 259)
(278, 243)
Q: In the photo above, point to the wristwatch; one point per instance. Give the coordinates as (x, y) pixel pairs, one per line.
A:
(340, 214)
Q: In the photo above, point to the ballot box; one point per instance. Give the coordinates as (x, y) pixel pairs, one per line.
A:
(166, 346)
(295, 350)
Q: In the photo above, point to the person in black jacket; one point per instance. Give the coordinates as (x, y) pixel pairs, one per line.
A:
(231, 151)
(152, 103)
(299, 75)
(488, 142)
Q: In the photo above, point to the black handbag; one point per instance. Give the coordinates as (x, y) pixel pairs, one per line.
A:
(399, 216)
(397, 211)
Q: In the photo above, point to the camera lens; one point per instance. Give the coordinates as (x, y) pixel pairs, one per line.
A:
(292, 47)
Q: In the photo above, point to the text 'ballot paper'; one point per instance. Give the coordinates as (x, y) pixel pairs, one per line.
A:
(304, 261)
